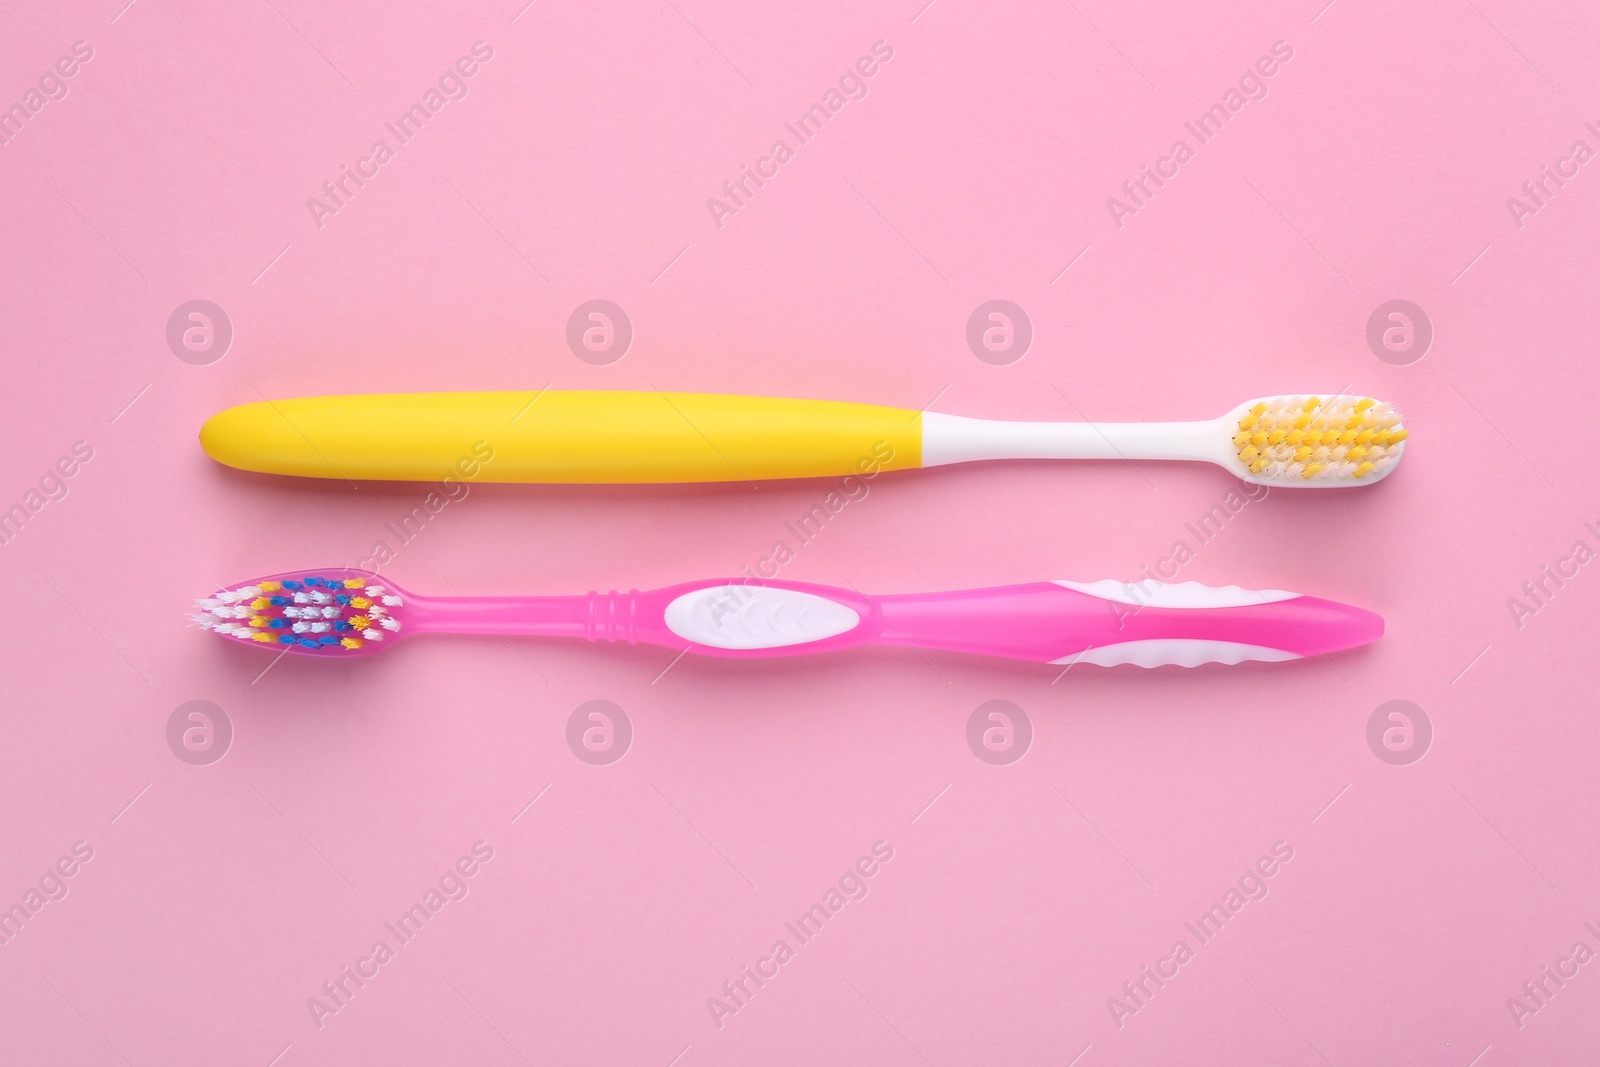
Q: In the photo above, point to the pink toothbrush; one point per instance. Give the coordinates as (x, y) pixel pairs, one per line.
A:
(341, 612)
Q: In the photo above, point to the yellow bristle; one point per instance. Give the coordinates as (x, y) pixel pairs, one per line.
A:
(262, 637)
(1329, 438)
(360, 602)
(258, 621)
(355, 583)
(271, 587)
(350, 642)
(360, 622)
(260, 603)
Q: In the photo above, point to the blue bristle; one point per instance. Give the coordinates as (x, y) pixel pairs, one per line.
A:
(280, 601)
(307, 642)
(292, 585)
(342, 625)
(277, 624)
(286, 639)
(342, 598)
(327, 639)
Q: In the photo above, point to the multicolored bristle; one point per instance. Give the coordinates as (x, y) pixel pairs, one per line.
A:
(1306, 438)
(306, 613)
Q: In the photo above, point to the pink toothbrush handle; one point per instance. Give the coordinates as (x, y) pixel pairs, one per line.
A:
(1108, 623)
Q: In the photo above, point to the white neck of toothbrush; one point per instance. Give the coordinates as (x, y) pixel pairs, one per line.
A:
(957, 439)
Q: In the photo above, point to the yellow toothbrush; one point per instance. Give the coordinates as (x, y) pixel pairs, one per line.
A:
(602, 437)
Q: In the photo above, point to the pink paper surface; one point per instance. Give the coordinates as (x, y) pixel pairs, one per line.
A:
(1419, 894)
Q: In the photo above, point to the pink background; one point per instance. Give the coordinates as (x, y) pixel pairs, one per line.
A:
(1019, 898)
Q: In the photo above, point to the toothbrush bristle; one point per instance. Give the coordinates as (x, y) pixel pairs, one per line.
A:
(327, 613)
(1299, 439)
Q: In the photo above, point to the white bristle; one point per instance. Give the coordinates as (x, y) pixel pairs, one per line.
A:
(392, 625)
(331, 613)
(373, 590)
(392, 601)
(372, 635)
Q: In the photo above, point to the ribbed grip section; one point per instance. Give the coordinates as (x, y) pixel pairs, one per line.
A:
(612, 616)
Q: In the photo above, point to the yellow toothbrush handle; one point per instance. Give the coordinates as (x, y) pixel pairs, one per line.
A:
(563, 437)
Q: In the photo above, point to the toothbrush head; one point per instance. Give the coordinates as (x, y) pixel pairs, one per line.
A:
(1312, 442)
(334, 613)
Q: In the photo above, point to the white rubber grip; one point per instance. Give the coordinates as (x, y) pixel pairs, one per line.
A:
(756, 616)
